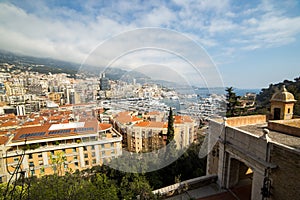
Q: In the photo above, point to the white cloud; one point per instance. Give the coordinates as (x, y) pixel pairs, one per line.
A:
(223, 27)
(158, 17)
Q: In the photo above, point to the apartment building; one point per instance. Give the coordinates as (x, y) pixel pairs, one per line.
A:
(149, 132)
(147, 136)
(58, 148)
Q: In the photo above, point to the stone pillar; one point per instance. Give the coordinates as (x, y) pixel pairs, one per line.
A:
(257, 184)
(81, 157)
(233, 173)
(97, 154)
(222, 167)
(45, 158)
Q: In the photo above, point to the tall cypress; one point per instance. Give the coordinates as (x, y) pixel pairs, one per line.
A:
(170, 132)
(232, 103)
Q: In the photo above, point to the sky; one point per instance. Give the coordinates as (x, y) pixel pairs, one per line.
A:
(244, 44)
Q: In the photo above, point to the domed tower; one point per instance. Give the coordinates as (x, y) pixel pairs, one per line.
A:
(282, 105)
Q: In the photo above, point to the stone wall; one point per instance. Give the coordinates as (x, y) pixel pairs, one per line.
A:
(286, 177)
(249, 145)
(246, 120)
(291, 127)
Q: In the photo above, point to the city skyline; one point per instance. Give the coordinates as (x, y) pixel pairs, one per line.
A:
(253, 44)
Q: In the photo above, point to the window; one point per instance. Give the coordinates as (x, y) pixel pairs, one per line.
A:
(86, 155)
(31, 164)
(93, 147)
(85, 148)
(289, 110)
(41, 162)
(93, 154)
(86, 162)
(94, 161)
(16, 159)
(30, 156)
(42, 170)
(40, 155)
(75, 158)
(76, 164)
(74, 150)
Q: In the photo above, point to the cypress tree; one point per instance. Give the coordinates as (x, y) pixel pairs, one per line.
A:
(170, 132)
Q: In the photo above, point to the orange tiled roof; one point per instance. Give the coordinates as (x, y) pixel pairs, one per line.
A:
(182, 119)
(31, 123)
(3, 139)
(7, 117)
(3, 132)
(9, 123)
(134, 118)
(151, 124)
(125, 117)
(104, 126)
(40, 132)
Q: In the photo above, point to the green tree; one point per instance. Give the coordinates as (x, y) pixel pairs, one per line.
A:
(170, 132)
(105, 187)
(15, 192)
(58, 162)
(232, 102)
(135, 186)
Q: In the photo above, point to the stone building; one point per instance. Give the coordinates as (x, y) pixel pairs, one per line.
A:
(258, 154)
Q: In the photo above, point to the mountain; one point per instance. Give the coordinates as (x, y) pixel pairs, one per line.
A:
(41, 65)
(54, 66)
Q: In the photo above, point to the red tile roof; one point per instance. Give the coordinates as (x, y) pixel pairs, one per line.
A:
(60, 130)
(182, 119)
(150, 124)
(7, 117)
(10, 123)
(3, 139)
(126, 117)
(104, 126)
(31, 123)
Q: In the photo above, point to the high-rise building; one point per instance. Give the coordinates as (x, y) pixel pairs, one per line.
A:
(104, 83)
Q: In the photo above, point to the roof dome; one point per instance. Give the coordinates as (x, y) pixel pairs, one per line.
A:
(283, 96)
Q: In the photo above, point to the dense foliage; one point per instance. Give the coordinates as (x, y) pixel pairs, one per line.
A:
(264, 97)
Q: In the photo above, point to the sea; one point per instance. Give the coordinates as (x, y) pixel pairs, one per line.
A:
(205, 92)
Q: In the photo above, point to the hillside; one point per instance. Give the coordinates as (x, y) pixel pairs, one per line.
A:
(263, 98)
(54, 66)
